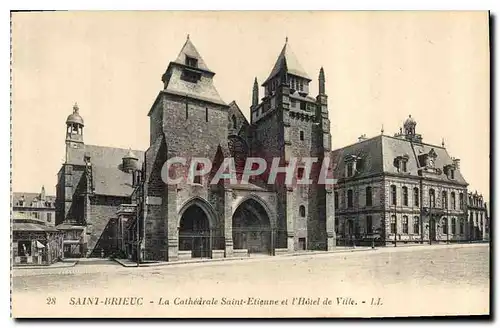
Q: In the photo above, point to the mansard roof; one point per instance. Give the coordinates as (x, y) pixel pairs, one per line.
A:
(377, 156)
(289, 62)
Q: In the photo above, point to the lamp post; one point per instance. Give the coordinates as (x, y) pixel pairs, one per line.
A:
(431, 223)
(137, 225)
(395, 225)
(447, 225)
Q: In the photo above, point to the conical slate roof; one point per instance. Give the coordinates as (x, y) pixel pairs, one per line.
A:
(190, 50)
(175, 84)
(288, 60)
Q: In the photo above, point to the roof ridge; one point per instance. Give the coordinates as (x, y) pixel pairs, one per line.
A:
(189, 50)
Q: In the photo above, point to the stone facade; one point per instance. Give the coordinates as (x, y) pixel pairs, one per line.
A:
(93, 183)
(477, 217)
(36, 206)
(189, 119)
(398, 189)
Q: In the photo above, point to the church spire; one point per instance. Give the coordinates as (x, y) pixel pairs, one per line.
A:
(255, 93)
(288, 62)
(321, 81)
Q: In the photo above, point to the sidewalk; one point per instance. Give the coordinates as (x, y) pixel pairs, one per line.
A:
(57, 265)
(129, 263)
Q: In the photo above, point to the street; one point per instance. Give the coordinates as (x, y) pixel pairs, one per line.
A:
(401, 281)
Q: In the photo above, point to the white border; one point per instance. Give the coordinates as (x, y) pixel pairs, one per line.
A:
(179, 5)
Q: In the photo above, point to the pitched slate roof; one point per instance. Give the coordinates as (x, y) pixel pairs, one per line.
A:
(108, 157)
(378, 153)
(31, 225)
(204, 89)
(108, 178)
(287, 60)
(111, 182)
(189, 50)
(29, 197)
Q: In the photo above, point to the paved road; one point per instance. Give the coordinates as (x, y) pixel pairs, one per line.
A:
(408, 280)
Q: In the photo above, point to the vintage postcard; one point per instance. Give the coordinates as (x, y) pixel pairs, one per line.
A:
(189, 164)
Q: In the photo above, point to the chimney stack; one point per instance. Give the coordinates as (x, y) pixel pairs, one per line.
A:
(362, 137)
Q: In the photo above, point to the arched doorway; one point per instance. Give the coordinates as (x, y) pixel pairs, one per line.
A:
(252, 228)
(432, 229)
(194, 232)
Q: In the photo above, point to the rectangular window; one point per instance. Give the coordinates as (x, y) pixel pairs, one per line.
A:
(432, 198)
(49, 217)
(369, 224)
(350, 169)
(405, 196)
(336, 199)
(416, 225)
(405, 224)
(369, 196)
(445, 225)
(349, 198)
(393, 195)
(416, 197)
(190, 61)
(403, 164)
(303, 105)
(393, 224)
(300, 172)
(445, 199)
(301, 135)
(453, 226)
(190, 76)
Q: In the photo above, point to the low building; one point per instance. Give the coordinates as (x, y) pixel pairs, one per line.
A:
(93, 182)
(37, 206)
(400, 189)
(34, 242)
(478, 217)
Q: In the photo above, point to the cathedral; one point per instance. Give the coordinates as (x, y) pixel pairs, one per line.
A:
(393, 189)
(97, 186)
(189, 119)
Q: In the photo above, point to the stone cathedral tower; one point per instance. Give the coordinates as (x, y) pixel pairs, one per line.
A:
(288, 123)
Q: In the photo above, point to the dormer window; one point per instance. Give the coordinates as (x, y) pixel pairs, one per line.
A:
(352, 165)
(449, 170)
(401, 163)
(350, 169)
(191, 61)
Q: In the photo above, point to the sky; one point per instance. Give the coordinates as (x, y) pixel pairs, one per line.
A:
(380, 67)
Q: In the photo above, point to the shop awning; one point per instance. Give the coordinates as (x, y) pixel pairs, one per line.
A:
(39, 244)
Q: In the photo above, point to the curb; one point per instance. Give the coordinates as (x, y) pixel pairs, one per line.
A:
(134, 265)
(70, 265)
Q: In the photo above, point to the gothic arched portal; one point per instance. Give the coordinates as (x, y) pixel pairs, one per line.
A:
(194, 232)
(252, 228)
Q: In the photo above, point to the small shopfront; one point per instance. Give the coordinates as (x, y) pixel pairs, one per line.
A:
(34, 243)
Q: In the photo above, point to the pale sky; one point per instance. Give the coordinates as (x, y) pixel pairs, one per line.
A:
(379, 67)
